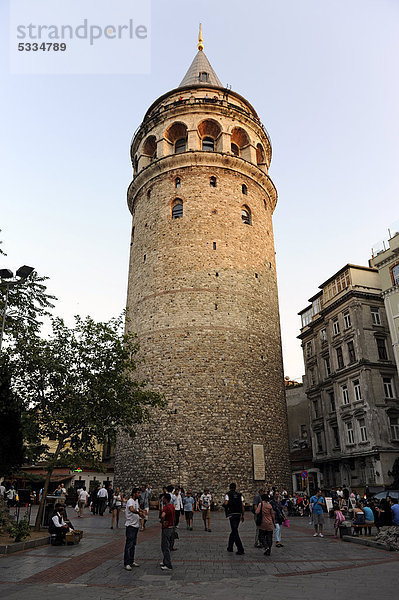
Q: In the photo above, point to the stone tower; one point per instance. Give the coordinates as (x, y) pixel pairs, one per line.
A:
(202, 293)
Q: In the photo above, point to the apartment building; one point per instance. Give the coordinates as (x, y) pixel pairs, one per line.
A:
(351, 380)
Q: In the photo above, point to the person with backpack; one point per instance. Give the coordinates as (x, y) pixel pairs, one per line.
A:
(234, 508)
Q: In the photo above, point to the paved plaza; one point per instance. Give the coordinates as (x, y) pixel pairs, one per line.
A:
(305, 567)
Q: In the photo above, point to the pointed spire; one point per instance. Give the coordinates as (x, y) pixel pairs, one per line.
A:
(200, 70)
(200, 40)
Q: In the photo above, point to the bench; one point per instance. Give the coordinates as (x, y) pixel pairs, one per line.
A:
(368, 525)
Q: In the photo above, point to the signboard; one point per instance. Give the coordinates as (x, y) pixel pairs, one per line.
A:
(329, 504)
(304, 474)
(258, 454)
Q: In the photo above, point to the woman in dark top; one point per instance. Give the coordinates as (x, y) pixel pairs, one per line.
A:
(383, 514)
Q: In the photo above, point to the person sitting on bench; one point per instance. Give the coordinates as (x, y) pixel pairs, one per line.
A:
(369, 517)
(358, 520)
(58, 526)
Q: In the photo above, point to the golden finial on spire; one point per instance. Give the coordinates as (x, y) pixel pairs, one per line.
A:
(200, 40)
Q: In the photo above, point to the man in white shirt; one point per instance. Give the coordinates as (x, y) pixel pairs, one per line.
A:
(58, 526)
(82, 500)
(2, 490)
(133, 514)
(102, 497)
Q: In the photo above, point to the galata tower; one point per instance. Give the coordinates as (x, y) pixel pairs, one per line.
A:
(202, 294)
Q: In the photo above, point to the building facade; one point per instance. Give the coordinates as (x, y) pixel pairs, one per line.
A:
(351, 381)
(387, 263)
(202, 293)
(305, 475)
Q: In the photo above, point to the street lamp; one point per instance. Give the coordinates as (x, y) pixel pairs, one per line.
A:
(8, 280)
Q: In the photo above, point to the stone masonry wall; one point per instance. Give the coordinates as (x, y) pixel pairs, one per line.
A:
(202, 298)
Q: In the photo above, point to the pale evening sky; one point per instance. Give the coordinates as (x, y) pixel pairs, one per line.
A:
(323, 77)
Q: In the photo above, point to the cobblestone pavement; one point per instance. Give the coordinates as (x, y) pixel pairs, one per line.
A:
(303, 568)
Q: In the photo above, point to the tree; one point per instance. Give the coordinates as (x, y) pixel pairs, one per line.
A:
(12, 449)
(28, 304)
(78, 388)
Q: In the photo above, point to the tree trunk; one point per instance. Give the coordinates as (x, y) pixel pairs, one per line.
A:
(46, 484)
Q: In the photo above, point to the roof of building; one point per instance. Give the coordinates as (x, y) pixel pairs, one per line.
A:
(199, 65)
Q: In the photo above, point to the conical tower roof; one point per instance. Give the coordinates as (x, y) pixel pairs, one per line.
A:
(200, 65)
(200, 70)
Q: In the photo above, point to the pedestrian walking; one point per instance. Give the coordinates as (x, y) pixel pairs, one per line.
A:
(94, 500)
(279, 517)
(255, 503)
(167, 532)
(188, 504)
(82, 500)
(234, 507)
(267, 524)
(144, 502)
(178, 506)
(116, 506)
(318, 503)
(102, 497)
(205, 504)
(132, 524)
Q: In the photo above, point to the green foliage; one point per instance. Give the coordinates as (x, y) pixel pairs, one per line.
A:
(12, 450)
(21, 530)
(5, 519)
(28, 304)
(78, 387)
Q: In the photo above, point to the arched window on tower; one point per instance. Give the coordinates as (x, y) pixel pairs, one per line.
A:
(244, 189)
(177, 208)
(235, 150)
(203, 76)
(177, 182)
(180, 145)
(210, 132)
(246, 216)
(176, 135)
(240, 145)
(212, 181)
(260, 155)
(208, 144)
